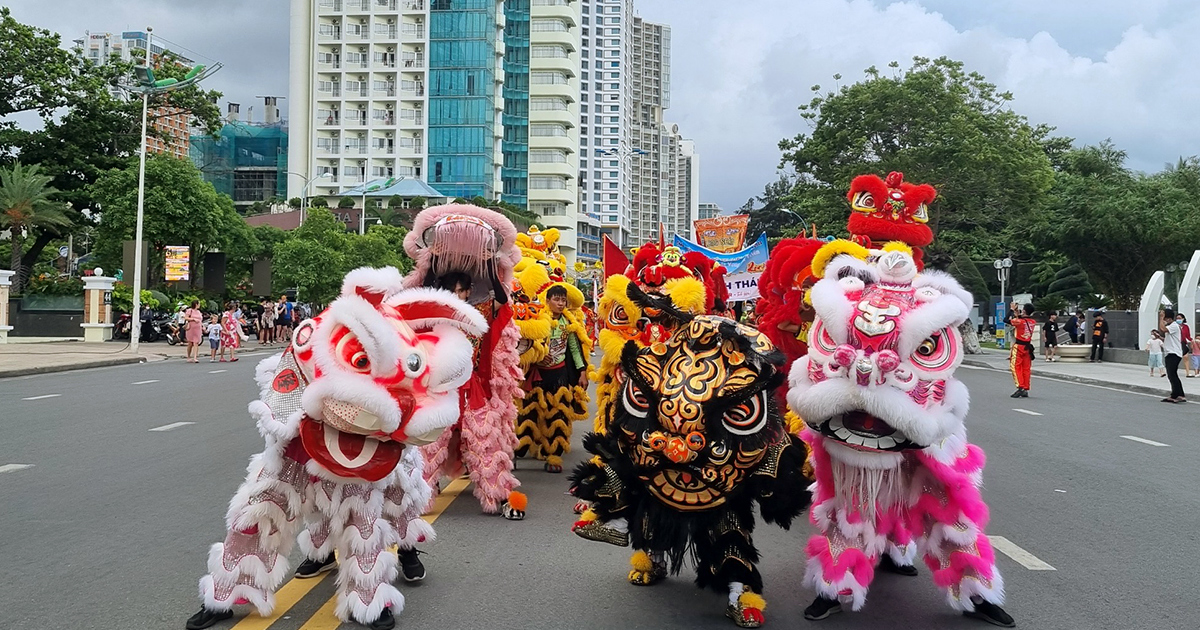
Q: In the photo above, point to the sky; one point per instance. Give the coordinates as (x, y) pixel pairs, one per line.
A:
(1128, 70)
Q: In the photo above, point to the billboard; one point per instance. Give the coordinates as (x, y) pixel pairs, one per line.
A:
(178, 262)
(722, 234)
(743, 267)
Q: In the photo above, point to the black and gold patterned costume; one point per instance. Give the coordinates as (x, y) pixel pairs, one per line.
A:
(692, 441)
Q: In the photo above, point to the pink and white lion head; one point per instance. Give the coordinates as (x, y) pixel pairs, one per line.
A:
(879, 374)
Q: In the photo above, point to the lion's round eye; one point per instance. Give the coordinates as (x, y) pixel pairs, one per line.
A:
(928, 347)
(695, 440)
(413, 363)
(360, 361)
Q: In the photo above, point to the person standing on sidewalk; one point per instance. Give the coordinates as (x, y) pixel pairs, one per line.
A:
(1173, 346)
(1185, 338)
(1099, 338)
(1050, 337)
(1020, 357)
(1154, 348)
(193, 330)
(1072, 326)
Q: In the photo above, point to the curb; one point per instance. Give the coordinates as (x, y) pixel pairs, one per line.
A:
(1082, 380)
(49, 369)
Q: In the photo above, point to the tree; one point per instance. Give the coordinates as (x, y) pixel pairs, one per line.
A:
(312, 260)
(320, 202)
(967, 273)
(345, 203)
(936, 123)
(395, 201)
(180, 209)
(417, 203)
(26, 204)
(26, 86)
(769, 212)
(294, 203)
(1071, 283)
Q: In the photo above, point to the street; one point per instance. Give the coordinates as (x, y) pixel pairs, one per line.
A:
(115, 481)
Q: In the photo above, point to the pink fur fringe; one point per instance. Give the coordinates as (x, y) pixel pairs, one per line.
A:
(507, 257)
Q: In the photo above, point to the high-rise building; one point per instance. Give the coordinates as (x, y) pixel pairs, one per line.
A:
(708, 211)
(247, 161)
(683, 185)
(357, 97)
(173, 126)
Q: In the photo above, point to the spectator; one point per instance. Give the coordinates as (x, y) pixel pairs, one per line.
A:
(193, 325)
(214, 338)
(266, 322)
(1022, 351)
(1194, 355)
(1185, 338)
(1099, 338)
(1072, 326)
(283, 319)
(231, 332)
(1173, 347)
(1154, 345)
(1050, 337)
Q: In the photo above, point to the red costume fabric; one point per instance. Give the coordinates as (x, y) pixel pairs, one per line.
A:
(890, 210)
(1020, 358)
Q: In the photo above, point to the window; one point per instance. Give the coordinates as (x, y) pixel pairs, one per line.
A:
(596, 131)
(614, 64)
(547, 183)
(612, 218)
(584, 64)
(614, 42)
(612, 163)
(613, 185)
(614, 86)
(612, 208)
(613, 130)
(544, 130)
(584, 75)
(583, 163)
(595, 196)
(613, 119)
(612, 197)
(612, 173)
(583, 109)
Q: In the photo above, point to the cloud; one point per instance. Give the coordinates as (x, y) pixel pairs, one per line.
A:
(741, 69)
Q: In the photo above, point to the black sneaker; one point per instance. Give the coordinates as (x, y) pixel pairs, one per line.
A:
(385, 621)
(991, 613)
(206, 618)
(410, 565)
(889, 565)
(312, 568)
(821, 608)
(1017, 394)
(1024, 393)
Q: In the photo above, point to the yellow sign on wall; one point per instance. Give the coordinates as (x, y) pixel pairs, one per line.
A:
(178, 262)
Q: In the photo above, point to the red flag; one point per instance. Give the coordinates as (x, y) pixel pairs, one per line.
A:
(615, 260)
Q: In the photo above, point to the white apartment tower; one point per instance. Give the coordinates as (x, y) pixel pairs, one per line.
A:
(357, 102)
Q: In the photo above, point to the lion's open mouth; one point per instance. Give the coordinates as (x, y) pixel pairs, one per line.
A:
(685, 490)
(349, 454)
(864, 432)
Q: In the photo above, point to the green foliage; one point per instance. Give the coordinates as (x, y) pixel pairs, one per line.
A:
(1050, 304)
(294, 203)
(417, 203)
(770, 211)
(345, 203)
(50, 282)
(180, 209)
(1071, 282)
(320, 202)
(936, 123)
(42, 86)
(967, 273)
(395, 201)
(26, 204)
(478, 200)
(122, 298)
(1095, 300)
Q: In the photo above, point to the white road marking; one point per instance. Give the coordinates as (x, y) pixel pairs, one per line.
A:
(42, 397)
(1027, 412)
(972, 367)
(1022, 557)
(215, 371)
(1143, 440)
(146, 382)
(172, 426)
(14, 467)
(1062, 491)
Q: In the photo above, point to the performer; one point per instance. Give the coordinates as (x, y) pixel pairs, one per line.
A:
(895, 475)
(374, 373)
(890, 209)
(556, 386)
(447, 243)
(694, 442)
(1020, 357)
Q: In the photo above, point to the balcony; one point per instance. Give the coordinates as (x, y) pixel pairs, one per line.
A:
(329, 93)
(411, 118)
(410, 146)
(356, 149)
(385, 5)
(412, 5)
(412, 31)
(329, 6)
(357, 5)
(327, 149)
(383, 31)
(389, 91)
(330, 35)
(413, 63)
(326, 66)
(412, 91)
(331, 121)
(356, 121)
(352, 92)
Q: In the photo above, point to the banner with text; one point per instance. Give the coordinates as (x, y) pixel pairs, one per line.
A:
(722, 234)
(743, 268)
(178, 262)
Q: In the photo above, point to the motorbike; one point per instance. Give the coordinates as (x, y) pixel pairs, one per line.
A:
(121, 327)
(173, 332)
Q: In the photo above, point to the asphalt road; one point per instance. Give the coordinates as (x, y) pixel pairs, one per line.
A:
(110, 526)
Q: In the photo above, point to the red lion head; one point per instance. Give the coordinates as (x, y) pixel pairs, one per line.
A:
(890, 210)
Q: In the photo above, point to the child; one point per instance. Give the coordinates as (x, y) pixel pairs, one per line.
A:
(214, 338)
(1155, 346)
(1194, 355)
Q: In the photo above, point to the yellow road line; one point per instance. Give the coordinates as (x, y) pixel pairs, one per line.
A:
(285, 598)
(324, 619)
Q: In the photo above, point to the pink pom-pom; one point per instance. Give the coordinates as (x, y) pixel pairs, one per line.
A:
(887, 360)
(844, 355)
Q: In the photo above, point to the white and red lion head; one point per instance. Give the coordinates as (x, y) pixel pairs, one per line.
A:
(379, 369)
(879, 374)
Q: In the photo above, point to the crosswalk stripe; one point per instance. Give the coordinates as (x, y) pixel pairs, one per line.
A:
(324, 619)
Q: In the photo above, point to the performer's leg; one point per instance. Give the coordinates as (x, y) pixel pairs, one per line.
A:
(403, 501)
(528, 437)
(440, 458)
(648, 568)
(362, 535)
(726, 561)
(488, 439)
(263, 519)
(1024, 365)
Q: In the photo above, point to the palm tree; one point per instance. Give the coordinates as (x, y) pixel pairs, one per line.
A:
(25, 203)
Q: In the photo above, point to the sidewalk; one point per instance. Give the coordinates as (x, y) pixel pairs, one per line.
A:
(1135, 378)
(21, 359)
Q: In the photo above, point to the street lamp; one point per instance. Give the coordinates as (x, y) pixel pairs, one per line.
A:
(1003, 267)
(148, 86)
(304, 190)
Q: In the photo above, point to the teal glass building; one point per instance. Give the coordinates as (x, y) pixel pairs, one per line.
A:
(462, 97)
(514, 175)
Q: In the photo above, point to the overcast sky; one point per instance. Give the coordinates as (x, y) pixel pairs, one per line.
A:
(1122, 69)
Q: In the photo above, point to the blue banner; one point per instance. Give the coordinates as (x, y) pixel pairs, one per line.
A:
(749, 260)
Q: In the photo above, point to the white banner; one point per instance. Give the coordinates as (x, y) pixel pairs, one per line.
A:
(742, 286)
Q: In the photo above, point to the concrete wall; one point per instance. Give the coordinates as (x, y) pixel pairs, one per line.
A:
(44, 323)
(1122, 329)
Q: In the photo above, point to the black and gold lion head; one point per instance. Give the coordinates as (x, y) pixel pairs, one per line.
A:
(696, 415)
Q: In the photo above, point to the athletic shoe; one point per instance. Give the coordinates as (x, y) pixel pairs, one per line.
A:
(889, 565)
(1024, 393)
(385, 621)
(312, 568)
(991, 613)
(410, 565)
(822, 607)
(1016, 394)
(206, 618)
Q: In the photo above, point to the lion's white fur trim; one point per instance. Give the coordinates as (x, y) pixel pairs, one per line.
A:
(467, 319)
(384, 280)
(918, 324)
(374, 331)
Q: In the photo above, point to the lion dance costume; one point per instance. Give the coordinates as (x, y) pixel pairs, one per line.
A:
(555, 352)
(692, 441)
(342, 410)
(482, 244)
(895, 475)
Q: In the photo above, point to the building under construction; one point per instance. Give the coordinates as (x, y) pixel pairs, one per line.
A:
(247, 161)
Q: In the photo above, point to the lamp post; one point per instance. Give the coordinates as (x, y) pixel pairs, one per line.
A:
(308, 181)
(1003, 267)
(148, 86)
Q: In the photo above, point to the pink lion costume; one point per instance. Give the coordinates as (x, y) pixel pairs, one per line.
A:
(895, 475)
(341, 410)
(482, 244)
